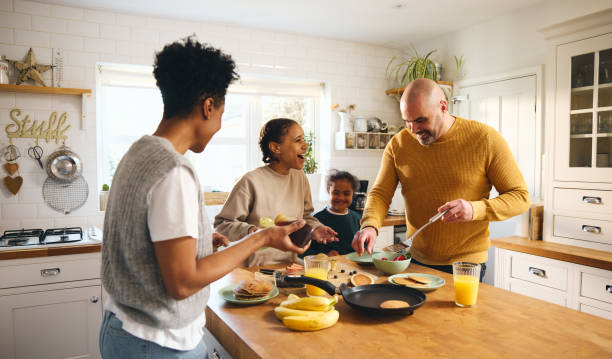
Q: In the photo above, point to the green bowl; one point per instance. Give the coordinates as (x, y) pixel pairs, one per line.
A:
(390, 266)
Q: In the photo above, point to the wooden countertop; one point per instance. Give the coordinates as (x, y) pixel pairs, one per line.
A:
(394, 221)
(503, 324)
(563, 252)
(50, 251)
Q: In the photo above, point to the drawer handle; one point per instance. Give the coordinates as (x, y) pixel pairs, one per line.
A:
(591, 229)
(591, 200)
(49, 272)
(609, 288)
(537, 271)
(94, 299)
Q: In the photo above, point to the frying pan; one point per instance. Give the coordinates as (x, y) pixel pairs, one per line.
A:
(368, 297)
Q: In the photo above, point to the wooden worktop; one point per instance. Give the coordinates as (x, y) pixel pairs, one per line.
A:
(563, 252)
(503, 324)
(394, 220)
(50, 251)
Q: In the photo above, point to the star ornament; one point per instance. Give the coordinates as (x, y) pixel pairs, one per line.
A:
(29, 69)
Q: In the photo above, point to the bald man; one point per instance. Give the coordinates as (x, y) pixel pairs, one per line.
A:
(444, 162)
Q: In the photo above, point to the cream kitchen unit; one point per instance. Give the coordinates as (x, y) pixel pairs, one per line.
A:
(578, 206)
(50, 307)
(556, 273)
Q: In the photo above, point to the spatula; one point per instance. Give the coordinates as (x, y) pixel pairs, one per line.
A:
(408, 241)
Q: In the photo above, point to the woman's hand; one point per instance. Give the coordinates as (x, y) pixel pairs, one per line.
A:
(278, 236)
(324, 234)
(219, 240)
(253, 229)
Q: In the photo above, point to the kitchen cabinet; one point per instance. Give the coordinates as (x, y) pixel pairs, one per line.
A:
(572, 285)
(50, 307)
(578, 200)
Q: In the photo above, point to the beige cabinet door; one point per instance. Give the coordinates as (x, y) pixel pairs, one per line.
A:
(51, 324)
(583, 111)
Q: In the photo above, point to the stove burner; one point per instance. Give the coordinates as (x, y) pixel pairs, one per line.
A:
(30, 237)
(63, 234)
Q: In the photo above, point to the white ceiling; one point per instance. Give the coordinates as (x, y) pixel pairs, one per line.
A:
(394, 23)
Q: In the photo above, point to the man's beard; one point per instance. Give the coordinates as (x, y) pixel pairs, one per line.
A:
(425, 141)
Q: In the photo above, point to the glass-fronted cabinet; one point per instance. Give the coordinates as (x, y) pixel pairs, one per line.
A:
(583, 128)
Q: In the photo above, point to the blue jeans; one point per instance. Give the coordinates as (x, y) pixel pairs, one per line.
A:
(116, 343)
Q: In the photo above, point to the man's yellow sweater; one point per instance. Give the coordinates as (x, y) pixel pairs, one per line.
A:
(462, 164)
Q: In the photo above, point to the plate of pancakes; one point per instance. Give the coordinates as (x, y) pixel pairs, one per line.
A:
(421, 281)
(250, 291)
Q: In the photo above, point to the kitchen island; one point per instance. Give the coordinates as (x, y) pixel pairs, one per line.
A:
(503, 324)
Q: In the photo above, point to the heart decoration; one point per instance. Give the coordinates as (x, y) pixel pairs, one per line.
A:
(13, 183)
(11, 167)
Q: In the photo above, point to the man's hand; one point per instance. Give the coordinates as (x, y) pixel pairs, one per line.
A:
(219, 240)
(364, 238)
(324, 234)
(460, 210)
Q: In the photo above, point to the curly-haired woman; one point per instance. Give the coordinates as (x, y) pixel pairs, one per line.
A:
(157, 257)
(278, 187)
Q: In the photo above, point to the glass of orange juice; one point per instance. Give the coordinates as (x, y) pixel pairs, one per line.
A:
(466, 277)
(316, 267)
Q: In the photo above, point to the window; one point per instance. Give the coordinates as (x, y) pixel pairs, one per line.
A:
(130, 106)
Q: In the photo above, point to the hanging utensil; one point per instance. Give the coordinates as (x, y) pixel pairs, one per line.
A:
(65, 196)
(35, 153)
(64, 165)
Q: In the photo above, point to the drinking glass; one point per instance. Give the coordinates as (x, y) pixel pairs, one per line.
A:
(316, 267)
(466, 277)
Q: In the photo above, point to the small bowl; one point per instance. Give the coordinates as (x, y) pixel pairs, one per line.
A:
(390, 266)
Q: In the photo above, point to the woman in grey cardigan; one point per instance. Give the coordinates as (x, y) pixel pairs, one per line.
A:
(157, 256)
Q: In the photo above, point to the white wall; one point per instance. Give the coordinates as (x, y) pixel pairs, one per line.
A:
(507, 42)
(354, 74)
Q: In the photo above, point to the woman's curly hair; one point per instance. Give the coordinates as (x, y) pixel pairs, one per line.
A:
(273, 131)
(336, 175)
(188, 72)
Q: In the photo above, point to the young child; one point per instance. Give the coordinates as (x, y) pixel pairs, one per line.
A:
(278, 187)
(341, 185)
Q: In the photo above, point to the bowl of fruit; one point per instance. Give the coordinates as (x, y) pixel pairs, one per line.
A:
(391, 262)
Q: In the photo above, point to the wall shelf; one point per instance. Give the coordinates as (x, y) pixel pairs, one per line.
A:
(44, 90)
(53, 91)
(362, 140)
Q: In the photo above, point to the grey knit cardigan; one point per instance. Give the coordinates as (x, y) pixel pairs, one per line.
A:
(130, 272)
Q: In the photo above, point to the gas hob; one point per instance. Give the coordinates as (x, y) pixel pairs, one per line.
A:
(37, 238)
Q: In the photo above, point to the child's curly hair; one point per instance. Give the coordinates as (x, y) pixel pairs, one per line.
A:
(335, 175)
(188, 72)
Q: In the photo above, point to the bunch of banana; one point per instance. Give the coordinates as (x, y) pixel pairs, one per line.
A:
(307, 313)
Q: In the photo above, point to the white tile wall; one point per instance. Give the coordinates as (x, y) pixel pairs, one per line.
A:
(353, 72)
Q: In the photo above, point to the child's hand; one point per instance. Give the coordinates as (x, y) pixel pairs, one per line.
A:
(333, 253)
(324, 234)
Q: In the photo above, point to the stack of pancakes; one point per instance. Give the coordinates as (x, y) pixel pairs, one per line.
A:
(252, 289)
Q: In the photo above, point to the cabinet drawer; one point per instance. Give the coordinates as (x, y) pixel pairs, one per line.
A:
(385, 238)
(586, 200)
(595, 311)
(596, 287)
(585, 229)
(49, 272)
(538, 292)
(539, 272)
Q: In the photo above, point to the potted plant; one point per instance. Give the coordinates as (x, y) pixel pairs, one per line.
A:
(410, 66)
(311, 166)
(104, 196)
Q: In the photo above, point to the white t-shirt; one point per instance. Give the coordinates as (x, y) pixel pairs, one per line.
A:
(172, 203)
